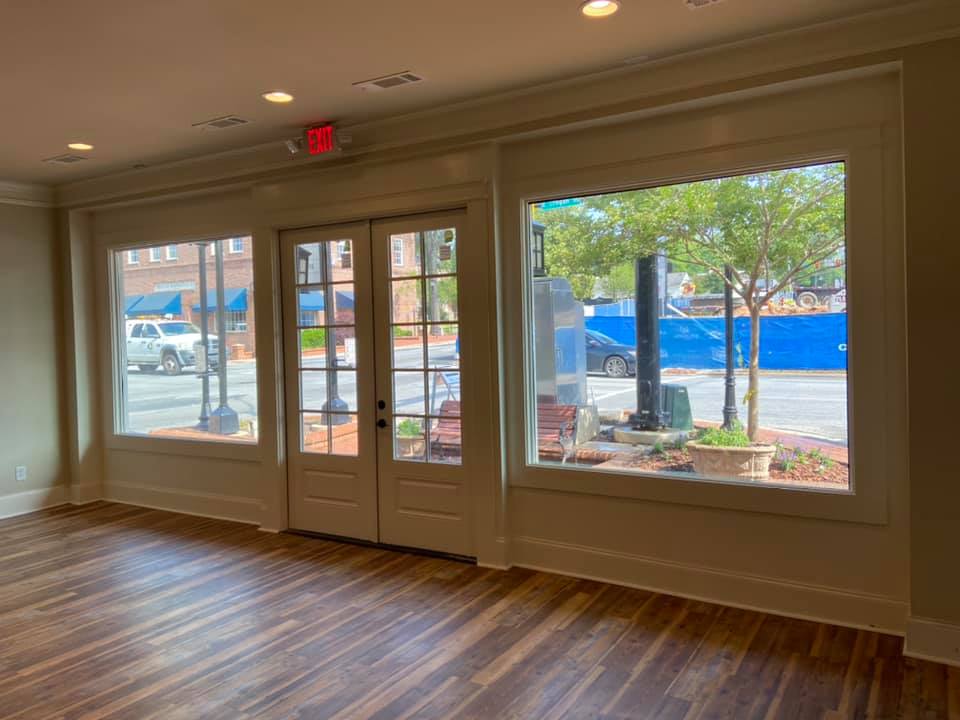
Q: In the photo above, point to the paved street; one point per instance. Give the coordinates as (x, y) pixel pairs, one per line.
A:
(806, 404)
(160, 401)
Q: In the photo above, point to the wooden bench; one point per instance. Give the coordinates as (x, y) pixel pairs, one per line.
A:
(445, 439)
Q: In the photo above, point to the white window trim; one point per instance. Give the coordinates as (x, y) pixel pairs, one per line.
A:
(173, 253)
(234, 250)
(863, 151)
(156, 254)
(133, 257)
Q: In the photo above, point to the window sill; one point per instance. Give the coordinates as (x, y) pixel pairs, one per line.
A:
(843, 506)
(148, 444)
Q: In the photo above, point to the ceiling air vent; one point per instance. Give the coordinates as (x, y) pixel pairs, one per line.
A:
(221, 123)
(67, 159)
(388, 82)
(697, 4)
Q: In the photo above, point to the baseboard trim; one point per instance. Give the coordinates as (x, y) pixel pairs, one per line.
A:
(750, 592)
(30, 501)
(85, 494)
(932, 640)
(210, 505)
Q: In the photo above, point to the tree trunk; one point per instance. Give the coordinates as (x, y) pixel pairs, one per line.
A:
(753, 390)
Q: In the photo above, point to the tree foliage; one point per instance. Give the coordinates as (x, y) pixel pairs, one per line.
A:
(774, 229)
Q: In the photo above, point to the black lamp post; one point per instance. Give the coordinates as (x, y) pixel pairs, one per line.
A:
(334, 404)
(224, 420)
(729, 380)
(204, 371)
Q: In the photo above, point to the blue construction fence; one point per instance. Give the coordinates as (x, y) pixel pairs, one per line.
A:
(787, 342)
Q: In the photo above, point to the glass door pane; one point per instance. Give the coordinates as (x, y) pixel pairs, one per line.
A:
(425, 346)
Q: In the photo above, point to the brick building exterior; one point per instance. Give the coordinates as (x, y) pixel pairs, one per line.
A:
(174, 269)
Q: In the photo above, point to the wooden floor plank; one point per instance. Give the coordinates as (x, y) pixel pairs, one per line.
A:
(113, 612)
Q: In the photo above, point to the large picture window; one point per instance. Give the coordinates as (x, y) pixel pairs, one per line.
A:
(696, 330)
(185, 336)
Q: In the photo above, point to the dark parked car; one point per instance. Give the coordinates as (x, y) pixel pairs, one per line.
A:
(605, 355)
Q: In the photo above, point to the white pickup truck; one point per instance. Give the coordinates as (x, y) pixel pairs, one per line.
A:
(170, 344)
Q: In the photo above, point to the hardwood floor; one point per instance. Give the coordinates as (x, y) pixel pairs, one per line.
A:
(111, 611)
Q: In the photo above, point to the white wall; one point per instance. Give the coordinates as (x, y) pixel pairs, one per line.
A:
(32, 430)
(849, 572)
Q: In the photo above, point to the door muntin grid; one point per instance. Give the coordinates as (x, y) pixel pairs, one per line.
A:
(327, 352)
(424, 352)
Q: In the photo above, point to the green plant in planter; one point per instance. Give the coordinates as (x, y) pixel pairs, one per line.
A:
(409, 428)
(720, 437)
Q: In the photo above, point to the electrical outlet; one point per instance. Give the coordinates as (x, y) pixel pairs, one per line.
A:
(21, 473)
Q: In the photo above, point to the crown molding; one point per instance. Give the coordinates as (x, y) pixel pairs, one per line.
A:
(15, 193)
(875, 38)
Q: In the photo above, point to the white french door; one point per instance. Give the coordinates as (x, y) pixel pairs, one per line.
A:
(374, 434)
(329, 360)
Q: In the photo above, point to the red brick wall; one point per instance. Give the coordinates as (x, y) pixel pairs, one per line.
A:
(149, 277)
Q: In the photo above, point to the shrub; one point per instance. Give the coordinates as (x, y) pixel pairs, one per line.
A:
(719, 437)
(409, 428)
(313, 338)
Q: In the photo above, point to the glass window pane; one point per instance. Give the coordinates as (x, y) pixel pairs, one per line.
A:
(444, 393)
(441, 299)
(408, 393)
(406, 304)
(344, 311)
(441, 251)
(446, 440)
(315, 435)
(313, 390)
(309, 264)
(345, 435)
(344, 387)
(408, 347)
(168, 303)
(341, 261)
(341, 385)
(409, 439)
(310, 307)
(786, 264)
(405, 255)
(313, 347)
(442, 346)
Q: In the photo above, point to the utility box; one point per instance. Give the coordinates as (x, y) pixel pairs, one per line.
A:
(676, 406)
(560, 349)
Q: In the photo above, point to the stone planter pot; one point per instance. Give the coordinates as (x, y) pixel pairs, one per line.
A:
(731, 463)
(411, 446)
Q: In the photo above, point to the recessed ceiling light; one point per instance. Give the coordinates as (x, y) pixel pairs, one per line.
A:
(599, 8)
(278, 96)
(80, 146)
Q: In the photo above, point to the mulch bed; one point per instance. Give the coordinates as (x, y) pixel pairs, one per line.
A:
(834, 475)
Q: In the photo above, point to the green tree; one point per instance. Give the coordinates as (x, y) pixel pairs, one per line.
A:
(585, 243)
(774, 228)
(771, 228)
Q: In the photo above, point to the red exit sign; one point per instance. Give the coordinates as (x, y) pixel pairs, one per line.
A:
(320, 140)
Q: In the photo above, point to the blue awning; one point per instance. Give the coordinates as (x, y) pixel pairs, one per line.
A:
(312, 300)
(161, 303)
(234, 299)
(129, 302)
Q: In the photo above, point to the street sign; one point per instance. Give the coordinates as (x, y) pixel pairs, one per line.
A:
(558, 204)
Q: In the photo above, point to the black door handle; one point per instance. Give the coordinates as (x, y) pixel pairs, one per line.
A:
(381, 423)
(381, 404)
